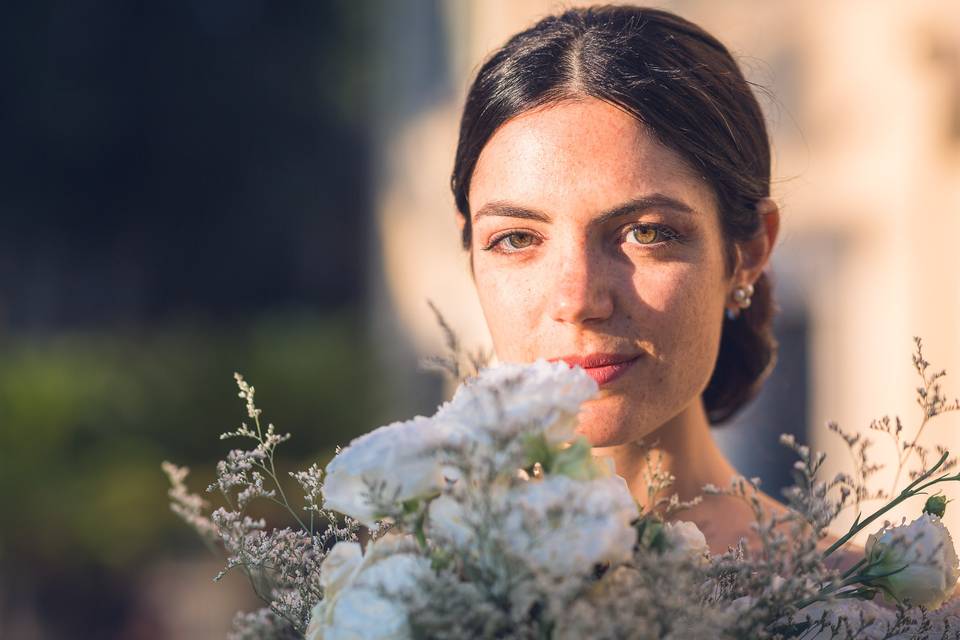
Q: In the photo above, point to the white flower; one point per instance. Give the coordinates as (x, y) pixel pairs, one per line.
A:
(364, 597)
(513, 399)
(400, 459)
(404, 460)
(447, 522)
(920, 559)
(339, 566)
(565, 527)
(337, 571)
(685, 539)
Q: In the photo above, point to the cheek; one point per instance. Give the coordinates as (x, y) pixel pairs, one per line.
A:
(688, 302)
(685, 310)
(511, 300)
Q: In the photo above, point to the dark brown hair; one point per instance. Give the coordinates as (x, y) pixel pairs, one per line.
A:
(683, 85)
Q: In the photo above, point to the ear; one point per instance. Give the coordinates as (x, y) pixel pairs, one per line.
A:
(754, 254)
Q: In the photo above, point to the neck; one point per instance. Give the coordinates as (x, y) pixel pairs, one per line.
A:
(684, 448)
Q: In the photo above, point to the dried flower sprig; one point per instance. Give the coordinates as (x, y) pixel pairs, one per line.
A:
(502, 525)
(282, 565)
(458, 364)
(932, 404)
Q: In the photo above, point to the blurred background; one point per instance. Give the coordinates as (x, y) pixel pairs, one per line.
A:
(190, 189)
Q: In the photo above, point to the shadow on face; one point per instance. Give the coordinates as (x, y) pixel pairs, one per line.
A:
(594, 243)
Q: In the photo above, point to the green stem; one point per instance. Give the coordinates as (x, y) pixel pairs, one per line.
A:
(902, 461)
(849, 572)
(911, 490)
(834, 587)
(285, 503)
(256, 420)
(276, 481)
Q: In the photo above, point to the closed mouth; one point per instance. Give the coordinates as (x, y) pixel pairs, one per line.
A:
(602, 367)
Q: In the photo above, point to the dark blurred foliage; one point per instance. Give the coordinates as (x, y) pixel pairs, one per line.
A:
(184, 193)
(88, 419)
(158, 157)
(102, 411)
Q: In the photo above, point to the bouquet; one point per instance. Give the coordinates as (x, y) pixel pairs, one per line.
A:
(492, 519)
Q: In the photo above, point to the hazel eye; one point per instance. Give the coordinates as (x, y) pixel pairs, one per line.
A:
(643, 234)
(652, 236)
(518, 240)
(511, 242)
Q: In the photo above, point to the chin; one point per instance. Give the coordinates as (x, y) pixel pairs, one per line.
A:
(610, 421)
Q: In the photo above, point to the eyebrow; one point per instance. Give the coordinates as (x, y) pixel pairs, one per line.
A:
(637, 205)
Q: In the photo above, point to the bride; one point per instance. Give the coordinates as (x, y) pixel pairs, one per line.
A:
(612, 181)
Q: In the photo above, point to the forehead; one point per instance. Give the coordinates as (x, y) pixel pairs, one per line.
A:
(587, 154)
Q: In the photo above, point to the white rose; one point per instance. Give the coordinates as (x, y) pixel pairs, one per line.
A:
(364, 598)
(512, 399)
(405, 458)
(920, 558)
(400, 457)
(565, 527)
(685, 539)
(447, 522)
(339, 566)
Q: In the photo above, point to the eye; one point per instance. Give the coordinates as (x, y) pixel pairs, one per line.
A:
(511, 242)
(518, 240)
(643, 234)
(650, 234)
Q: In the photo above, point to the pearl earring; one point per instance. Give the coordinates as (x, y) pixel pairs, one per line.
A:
(741, 296)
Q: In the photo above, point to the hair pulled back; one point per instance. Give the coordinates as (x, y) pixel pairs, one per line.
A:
(683, 85)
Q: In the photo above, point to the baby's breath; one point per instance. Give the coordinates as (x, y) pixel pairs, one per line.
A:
(282, 565)
(491, 520)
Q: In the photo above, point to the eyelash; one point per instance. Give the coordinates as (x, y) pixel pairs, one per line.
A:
(671, 236)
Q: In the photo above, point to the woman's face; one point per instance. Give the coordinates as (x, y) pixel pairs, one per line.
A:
(594, 244)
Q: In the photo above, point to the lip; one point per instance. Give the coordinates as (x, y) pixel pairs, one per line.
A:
(602, 367)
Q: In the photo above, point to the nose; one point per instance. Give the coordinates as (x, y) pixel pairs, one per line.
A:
(581, 294)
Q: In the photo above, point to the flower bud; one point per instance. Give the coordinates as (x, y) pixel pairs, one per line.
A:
(936, 505)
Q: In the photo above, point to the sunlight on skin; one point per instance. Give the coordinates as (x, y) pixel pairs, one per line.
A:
(565, 269)
(584, 287)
